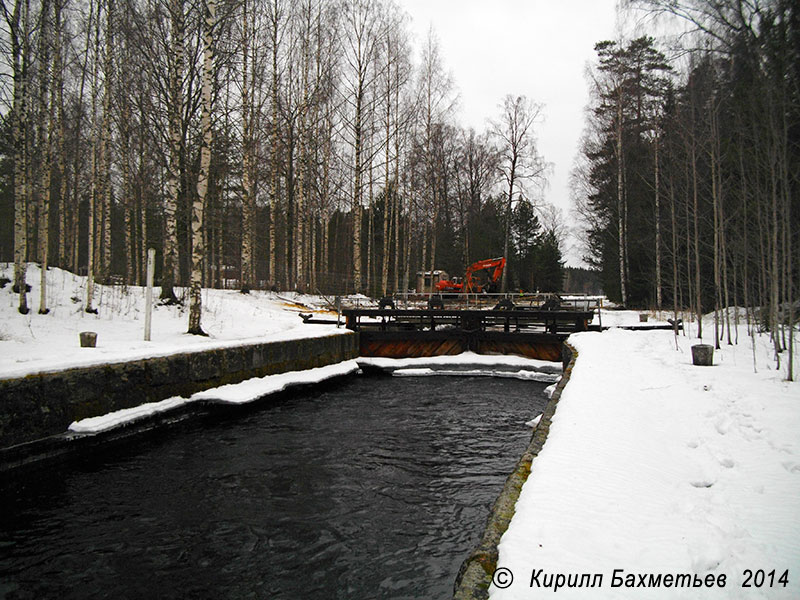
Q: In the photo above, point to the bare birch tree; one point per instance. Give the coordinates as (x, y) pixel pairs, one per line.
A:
(195, 291)
(48, 99)
(176, 60)
(362, 31)
(16, 18)
(248, 147)
(520, 161)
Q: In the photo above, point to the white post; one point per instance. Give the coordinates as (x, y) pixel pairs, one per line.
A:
(148, 311)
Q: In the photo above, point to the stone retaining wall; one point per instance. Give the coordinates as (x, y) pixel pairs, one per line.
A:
(41, 405)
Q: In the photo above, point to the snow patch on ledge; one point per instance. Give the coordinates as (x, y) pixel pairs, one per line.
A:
(534, 423)
(238, 393)
(521, 374)
(465, 358)
(257, 387)
(125, 416)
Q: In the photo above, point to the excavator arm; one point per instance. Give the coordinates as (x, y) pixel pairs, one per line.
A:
(494, 266)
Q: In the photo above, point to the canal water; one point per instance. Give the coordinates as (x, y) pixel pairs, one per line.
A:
(378, 487)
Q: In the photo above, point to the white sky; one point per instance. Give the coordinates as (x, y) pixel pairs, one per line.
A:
(536, 48)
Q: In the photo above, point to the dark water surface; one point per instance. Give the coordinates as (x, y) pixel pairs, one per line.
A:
(375, 488)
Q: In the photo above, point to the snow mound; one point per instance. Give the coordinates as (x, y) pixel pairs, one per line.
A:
(258, 387)
(125, 416)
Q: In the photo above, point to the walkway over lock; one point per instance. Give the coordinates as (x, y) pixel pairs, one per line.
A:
(413, 333)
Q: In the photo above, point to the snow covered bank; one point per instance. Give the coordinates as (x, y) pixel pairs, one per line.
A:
(653, 466)
(35, 343)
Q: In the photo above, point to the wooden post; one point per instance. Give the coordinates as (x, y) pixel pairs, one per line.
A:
(148, 311)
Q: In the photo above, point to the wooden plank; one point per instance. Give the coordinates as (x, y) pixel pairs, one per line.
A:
(410, 344)
(411, 348)
(542, 351)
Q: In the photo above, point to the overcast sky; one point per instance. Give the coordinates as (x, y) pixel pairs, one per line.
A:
(536, 48)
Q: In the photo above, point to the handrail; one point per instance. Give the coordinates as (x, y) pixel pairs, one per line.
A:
(429, 319)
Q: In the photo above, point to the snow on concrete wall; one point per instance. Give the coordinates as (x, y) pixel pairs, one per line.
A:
(45, 404)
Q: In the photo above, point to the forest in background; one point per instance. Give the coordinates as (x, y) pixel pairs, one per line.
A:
(256, 143)
(688, 180)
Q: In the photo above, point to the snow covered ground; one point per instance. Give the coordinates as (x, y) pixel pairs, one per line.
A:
(656, 468)
(629, 318)
(34, 343)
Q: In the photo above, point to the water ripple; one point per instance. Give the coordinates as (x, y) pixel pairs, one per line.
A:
(377, 488)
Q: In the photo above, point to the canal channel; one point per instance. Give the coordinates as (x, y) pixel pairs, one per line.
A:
(375, 487)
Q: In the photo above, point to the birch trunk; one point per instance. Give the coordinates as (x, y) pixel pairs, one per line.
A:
(774, 266)
(698, 297)
(326, 193)
(658, 229)
(195, 291)
(397, 201)
(273, 188)
(620, 205)
(674, 223)
(790, 292)
(715, 206)
(169, 275)
(58, 84)
(387, 188)
(406, 263)
(507, 235)
(76, 162)
(92, 245)
(44, 198)
(745, 270)
(370, 233)
(723, 244)
(142, 269)
(19, 29)
(301, 204)
(105, 145)
(128, 202)
(357, 190)
(248, 200)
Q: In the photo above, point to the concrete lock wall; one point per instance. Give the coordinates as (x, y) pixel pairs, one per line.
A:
(45, 404)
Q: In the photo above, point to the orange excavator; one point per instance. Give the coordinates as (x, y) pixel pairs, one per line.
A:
(481, 276)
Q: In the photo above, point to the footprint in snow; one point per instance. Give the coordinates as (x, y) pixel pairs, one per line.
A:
(791, 467)
(723, 425)
(706, 472)
(701, 483)
(706, 555)
(727, 463)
